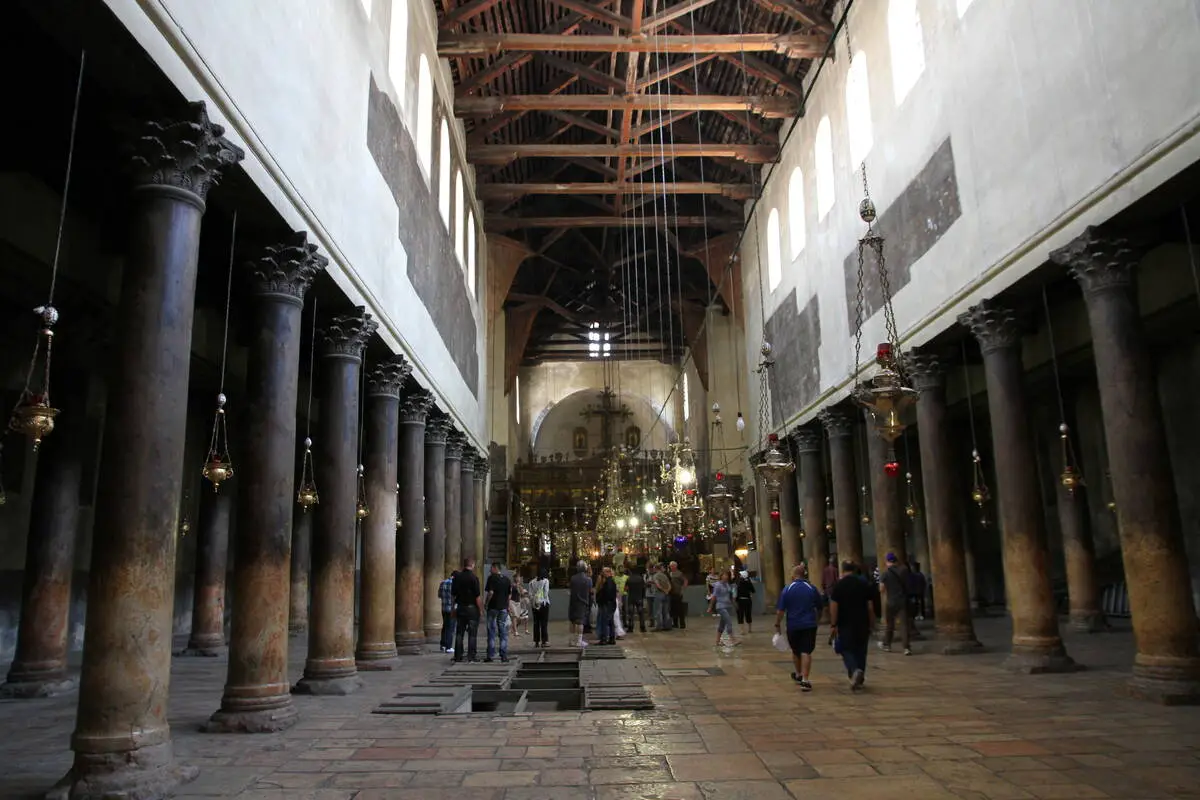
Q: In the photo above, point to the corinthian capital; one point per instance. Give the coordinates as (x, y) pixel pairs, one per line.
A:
(287, 268)
(806, 440)
(482, 465)
(386, 377)
(187, 153)
(994, 325)
(1100, 262)
(454, 444)
(436, 430)
(838, 421)
(346, 335)
(415, 405)
(925, 369)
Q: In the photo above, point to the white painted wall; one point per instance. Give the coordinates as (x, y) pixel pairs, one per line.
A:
(289, 81)
(1060, 114)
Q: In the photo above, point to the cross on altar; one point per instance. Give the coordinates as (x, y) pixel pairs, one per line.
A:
(606, 411)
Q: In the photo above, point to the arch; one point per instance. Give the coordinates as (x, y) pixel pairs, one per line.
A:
(907, 44)
(797, 235)
(774, 254)
(444, 174)
(398, 50)
(823, 155)
(459, 213)
(471, 251)
(424, 137)
(858, 110)
(654, 431)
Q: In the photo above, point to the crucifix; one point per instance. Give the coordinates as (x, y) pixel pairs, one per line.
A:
(607, 411)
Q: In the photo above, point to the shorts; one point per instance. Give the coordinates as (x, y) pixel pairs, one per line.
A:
(802, 640)
(577, 613)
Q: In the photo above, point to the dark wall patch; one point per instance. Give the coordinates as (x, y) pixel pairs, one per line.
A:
(912, 224)
(433, 267)
(796, 339)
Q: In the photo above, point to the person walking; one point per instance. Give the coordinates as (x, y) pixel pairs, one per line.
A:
(722, 605)
(916, 591)
(606, 607)
(800, 603)
(652, 596)
(663, 584)
(445, 593)
(678, 608)
(745, 602)
(635, 595)
(539, 598)
(852, 617)
(579, 603)
(497, 592)
(468, 608)
(894, 580)
(619, 578)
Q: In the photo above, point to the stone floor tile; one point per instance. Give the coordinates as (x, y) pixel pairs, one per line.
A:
(370, 780)
(867, 788)
(537, 793)
(501, 779)
(648, 791)
(604, 776)
(845, 770)
(744, 790)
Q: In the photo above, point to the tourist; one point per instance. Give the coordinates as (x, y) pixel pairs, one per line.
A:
(517, 605)
(606, 607)
(652, 596)
(829, 579)
(916, 592)
(619, 578)
(539, 594)
(851, 617)
(745, 602)
(496, 596)
(895, 588)
(579, 603)
(589, 620)
(663, 584)
(468, 607)
(722, 605)
(800, 602)
(445, 593)
(678, 607)
(635, 598)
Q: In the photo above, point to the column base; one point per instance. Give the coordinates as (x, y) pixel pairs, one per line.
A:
(147, 773)
(377, 664)
(297, 628)
(1088, 622)
(328, 686)
(1036, 660)
(410, 643)
(959, 647)
(192, 651)
(19, 688)
(268, 720)
(1169, 681)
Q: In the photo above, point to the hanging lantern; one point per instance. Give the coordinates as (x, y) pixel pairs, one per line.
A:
(399, 518)
(865, 519)
(910, 509)
(306, 495)
(34, 416)
(218, 467)
(979, 490)
(828, 514)
(1070, 478)
(774, 466)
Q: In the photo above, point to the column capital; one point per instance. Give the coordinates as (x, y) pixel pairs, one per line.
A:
(482, 467)
(287, 268)
(454, 444)
(436, 430)
(806, 440)
(346, 334)
(925, 369)
(415, 405)
(994, 325)
(468, 460)
(1099, 262)
(838, 421)
(385, 378)
(186, 152)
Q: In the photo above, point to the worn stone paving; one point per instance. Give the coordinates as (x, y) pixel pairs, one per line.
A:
(931, 727)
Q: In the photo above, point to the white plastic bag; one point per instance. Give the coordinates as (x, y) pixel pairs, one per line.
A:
(780, 643)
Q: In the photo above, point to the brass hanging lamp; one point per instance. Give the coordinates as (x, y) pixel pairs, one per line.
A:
(306, 494)
(399, 516)
(979, 488)
(218, 466)
(1071, 476)
(828, 514)
(911, 509)
(361, 509)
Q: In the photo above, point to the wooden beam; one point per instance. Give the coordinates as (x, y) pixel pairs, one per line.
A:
(510, 223)
(756, 66)
(589, 74)
(492, 71)
(792, 45)
(803, 14)
(494, 191)
(661, 121)
(583, 122)
(465, 12)
(597, 13)
(674, 12)
(681, 65)
(506, 153)
(772, 107)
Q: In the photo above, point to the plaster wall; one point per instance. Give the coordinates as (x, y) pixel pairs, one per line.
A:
(1055, 118)
(292, 83)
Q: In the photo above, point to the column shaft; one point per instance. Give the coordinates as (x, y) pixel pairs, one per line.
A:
(789, 527)
(212, 560)
(377, 603)
(1037, 646)
(301, 564)
(257, 696)
(847, 524)
(886, 500)
(481, 472)
(467, 506)
(807, 443)
(1079, 557)
(454, 520)
(435, 523)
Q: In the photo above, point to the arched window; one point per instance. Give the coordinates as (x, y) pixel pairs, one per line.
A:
(907, 44)
(459, 209)
(774, 254)
(471, 251)
(398, 50)
(823, 155)
(444, 175)
(858, 109)
(796, 232)
(424, 137)
(687, 400)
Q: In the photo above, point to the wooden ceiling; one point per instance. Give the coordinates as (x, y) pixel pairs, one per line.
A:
(618, 141)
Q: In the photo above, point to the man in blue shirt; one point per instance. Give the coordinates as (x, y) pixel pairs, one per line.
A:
(801, 603)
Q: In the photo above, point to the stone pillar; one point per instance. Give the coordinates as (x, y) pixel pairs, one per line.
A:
(436, 430)
(847, 524)
(122, 742)
(1037, 646)
(257, 697)
(466, 498)
(943, 512)
(481, 505)
(212, 560)
(1167, 665)
(330, 668)
(767, 539)
(454, 520)
(789, 525)
(301, 565)
(887, 492)
(39, 667)
(377, 601)
(410, 580)
(1079, 557)
(807, 444)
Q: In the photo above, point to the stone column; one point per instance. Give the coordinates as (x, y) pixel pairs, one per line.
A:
(39, 667)
(943, 510)
(1079, 557)
(454, 456)
(807, 444)
(789, 525)
(301, 564)
(257, 697)
(1037, 646)
(330, 668)
(481, 504)
(467, 506)
(1167, 665)
(410, 579)
(212, 560)
(436, 429)
(847, 524)
(122, 742)
(767, 538)
(377, 601)
(886, 500)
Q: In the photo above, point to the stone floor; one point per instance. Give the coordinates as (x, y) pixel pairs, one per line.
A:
(929, 727)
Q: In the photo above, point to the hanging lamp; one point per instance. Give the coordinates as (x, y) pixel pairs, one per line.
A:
(306, 494)
(1071, 476)
(979, 488)
(218, 466)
